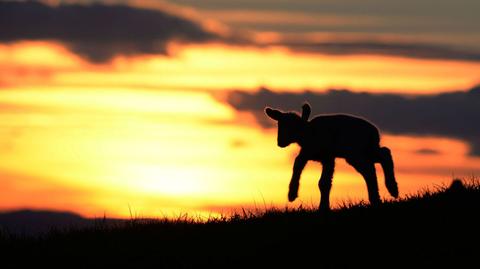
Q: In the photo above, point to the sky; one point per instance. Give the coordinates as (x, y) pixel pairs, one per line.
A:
(156, 107)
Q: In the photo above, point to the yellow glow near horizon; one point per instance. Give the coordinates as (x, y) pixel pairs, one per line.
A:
(103, 155)
(103, 138)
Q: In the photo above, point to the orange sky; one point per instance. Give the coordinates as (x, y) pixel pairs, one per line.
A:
(220, 67)
(146, 132)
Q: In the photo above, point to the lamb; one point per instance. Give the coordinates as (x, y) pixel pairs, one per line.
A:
(331, 136)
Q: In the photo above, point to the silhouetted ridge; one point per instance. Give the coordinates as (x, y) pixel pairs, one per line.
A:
(432, 229)
(31, 222)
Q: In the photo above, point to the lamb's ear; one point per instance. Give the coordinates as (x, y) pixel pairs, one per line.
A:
(273, 113)
(306, 111)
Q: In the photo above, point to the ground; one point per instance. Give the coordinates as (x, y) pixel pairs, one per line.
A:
(433, 229)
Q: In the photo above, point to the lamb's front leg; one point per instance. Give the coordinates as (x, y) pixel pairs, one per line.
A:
(300, 162)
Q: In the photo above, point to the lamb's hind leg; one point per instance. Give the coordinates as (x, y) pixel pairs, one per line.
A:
(367, 169)
(325, 184)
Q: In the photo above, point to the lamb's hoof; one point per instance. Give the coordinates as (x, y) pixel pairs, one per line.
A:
(323, 209)
(392, 189)
(376, 203)
(292, 197)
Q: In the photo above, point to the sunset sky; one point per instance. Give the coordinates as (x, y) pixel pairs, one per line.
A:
(157, 106)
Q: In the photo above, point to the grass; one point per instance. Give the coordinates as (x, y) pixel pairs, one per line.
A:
(431, 229)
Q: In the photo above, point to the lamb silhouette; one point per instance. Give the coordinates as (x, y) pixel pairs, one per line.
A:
(331, 136)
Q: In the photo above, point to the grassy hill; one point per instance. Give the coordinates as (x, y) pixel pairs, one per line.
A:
(429, 230)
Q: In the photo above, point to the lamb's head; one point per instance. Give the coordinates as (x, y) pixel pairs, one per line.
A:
(290, 124)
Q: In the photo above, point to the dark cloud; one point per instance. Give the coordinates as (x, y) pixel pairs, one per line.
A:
(454, 114)
(413, 50)
(407, 28)
(427, 151)
(98, 32)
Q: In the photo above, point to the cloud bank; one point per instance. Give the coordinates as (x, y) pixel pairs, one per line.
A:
(454, 114)
(98, 32)
(392, 48)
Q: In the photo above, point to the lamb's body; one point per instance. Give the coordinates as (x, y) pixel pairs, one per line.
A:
(327, 137)
(341, 136)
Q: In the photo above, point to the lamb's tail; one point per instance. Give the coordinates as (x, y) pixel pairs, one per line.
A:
(386, 161)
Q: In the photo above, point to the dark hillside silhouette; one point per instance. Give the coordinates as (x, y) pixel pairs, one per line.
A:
(327, 137)
(429, 230)
(39, 222)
